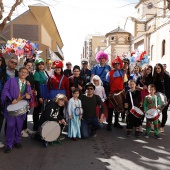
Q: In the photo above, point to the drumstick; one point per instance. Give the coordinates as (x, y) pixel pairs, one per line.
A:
(24, 95)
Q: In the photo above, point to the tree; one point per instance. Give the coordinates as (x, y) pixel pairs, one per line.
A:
(8, 18)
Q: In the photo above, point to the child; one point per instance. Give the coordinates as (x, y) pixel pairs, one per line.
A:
(152, 102)
(131, 120)
(100, 91)
(75, 115)
(13, 90)
(54, 111)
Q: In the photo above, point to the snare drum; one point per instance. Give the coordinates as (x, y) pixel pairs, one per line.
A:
(19, 108)
(136, 112)
(152, 114)
(50, 131)
(117, 100)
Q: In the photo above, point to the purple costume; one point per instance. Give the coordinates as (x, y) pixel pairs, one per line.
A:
(10, 92)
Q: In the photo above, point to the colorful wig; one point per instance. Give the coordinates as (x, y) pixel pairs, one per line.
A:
(101, 54)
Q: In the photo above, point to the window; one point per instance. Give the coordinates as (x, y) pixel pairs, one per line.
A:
(112, 38)
(163, 47)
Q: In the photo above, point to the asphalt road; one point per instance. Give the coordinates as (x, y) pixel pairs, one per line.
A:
(109, 150)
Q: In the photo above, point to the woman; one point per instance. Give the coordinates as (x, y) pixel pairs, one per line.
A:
(42, 91)
(144, 81)
(162, 82)
(29, 65)
(3, 79)
(75, 80)
(58, 82)
(135, 73)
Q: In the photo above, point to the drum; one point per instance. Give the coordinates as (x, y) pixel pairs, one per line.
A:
(136, 112)
(117, 100)
(50, 131)
(152, 114)
(19, 108)
(163, 98)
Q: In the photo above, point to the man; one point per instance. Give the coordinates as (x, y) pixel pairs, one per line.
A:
(68, 72)
(85, 73)
(102, 68)
(165, 66)
(90, 122)
(116, 83)
(11, 67)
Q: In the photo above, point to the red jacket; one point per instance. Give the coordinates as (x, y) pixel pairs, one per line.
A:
(53, 83)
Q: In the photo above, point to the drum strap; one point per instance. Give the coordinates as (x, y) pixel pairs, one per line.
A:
(131, 98)
(156, 101)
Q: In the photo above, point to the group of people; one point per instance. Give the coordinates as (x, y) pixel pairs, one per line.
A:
(80, 98)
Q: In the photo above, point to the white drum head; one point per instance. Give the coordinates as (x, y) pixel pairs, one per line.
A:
(50, 131)
(17, 106)
(151, 113)
(139, 111)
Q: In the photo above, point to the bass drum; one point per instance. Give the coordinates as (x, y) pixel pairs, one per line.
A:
(163, 98)
(50, 131)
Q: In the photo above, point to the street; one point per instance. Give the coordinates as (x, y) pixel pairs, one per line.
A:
(109, 150)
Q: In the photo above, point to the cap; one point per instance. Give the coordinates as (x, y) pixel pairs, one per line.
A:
(89, 84)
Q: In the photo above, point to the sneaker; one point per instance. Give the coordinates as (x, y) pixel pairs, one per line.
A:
(161, 129)
(17, 145)
(30, 132)
(158, 137)
(146, 135)
(117, 125)
(7, 149)
(140, 129)
(1, 145)
(128, 133)
(24, 134)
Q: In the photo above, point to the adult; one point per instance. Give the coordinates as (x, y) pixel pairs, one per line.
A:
(162, 82)
(58, 82)
(135, 73)
(42, 92)
(102, 68)
(115, 79)
(3, 79)
(30, 78)
(76, 80)
(165, 67)
(11, 70)
(90, 122)
(85, 73)
(13, 90)
(68, 71)
(49, 71)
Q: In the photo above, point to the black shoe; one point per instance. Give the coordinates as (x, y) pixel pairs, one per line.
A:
(109, 128)
(18, 145)
(158, 137)
(7, 149)
(117, 125)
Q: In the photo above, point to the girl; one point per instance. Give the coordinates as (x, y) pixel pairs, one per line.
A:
(75, 115)
(135, 73)
(100, 91)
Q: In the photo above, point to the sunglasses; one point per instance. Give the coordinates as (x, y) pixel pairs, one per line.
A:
(14, 63)
(116, 63)
(89, 88)
(126, 62)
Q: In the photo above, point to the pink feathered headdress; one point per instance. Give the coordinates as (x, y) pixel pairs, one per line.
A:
(117, 60)
(101, 54)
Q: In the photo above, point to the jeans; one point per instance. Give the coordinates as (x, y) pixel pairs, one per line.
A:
(89, 125)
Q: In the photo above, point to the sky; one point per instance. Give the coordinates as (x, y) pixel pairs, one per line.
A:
(75, 19)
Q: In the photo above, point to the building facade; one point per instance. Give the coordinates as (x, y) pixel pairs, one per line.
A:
(38, 26)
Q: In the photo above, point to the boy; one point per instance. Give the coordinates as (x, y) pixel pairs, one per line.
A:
(131, 120)
(152, 102)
